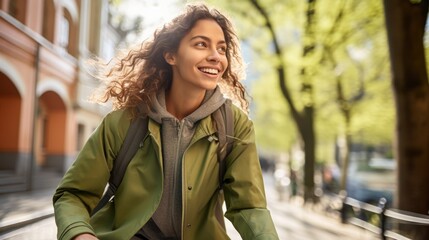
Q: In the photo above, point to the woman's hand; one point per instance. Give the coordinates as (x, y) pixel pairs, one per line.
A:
(85, 236)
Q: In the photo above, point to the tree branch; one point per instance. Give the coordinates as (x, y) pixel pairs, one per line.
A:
(281, 66)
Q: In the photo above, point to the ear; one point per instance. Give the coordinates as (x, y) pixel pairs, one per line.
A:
(170, 58)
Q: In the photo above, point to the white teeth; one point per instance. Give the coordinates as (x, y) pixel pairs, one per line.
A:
(209, 70)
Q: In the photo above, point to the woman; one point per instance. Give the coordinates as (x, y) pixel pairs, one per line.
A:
(170, 189)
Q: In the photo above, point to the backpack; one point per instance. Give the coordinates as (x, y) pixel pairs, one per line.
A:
(224, 125)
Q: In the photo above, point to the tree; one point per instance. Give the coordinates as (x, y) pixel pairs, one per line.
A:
(320, 36)
(124, 24)
(340, 53)
(340, 33)
(405, 23)
(304, 119)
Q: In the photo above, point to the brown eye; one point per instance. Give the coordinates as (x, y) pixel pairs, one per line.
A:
(221, 49)
(201, 44)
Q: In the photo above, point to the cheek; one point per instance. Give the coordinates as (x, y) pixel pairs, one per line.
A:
(185, 64)
(190, 60)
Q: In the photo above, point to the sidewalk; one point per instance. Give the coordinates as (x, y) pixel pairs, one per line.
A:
(20, 209)
(294, 221)
(291, 219)
(23, 208)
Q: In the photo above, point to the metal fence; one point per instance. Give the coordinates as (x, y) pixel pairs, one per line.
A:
(378, 219)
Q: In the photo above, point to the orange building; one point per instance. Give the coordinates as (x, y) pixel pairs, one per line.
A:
(44, 114)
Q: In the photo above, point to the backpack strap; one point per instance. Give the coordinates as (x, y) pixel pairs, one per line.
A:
(137, 130)
(224, 124)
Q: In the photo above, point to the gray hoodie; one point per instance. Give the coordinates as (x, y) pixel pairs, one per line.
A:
(176, 136)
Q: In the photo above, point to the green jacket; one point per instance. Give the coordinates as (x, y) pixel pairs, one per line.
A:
(139, 194)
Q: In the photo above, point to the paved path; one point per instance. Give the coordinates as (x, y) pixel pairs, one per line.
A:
(292, 221)
(42, 230)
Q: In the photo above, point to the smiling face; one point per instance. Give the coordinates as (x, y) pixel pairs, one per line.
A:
(200, 60)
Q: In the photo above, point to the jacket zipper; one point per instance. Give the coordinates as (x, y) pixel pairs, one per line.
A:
(179, 139)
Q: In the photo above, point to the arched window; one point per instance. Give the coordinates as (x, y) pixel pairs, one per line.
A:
(68, 29)
(61, 23)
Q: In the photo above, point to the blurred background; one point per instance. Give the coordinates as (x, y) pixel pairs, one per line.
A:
(337, 112)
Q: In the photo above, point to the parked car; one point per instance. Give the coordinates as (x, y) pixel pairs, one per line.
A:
(355, 188)
(363, 193)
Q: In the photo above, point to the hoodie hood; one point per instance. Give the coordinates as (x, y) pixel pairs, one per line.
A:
(212, 101)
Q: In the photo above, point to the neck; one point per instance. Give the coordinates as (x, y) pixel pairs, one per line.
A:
(182, 103)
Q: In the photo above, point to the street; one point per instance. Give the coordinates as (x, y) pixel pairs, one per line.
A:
(291, 219)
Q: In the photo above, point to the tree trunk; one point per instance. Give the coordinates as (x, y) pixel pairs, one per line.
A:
(345, 156)
(405, 22)
(346, 110)
(305, 119)
(309, 138)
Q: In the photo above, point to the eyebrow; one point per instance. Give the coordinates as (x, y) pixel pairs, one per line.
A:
(207, 39)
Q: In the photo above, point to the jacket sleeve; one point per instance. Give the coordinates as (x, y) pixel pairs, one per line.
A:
(83, 184)
(244, 188)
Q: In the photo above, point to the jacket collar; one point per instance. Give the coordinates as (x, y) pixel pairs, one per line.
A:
(205, 128)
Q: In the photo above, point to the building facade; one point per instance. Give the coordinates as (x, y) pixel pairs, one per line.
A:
(44, 114)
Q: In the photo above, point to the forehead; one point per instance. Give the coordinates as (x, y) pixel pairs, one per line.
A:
(208, 28)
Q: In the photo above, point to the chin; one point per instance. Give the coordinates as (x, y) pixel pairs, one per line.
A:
(211, 86)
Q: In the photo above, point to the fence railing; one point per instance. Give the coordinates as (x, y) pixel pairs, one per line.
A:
(362, 212)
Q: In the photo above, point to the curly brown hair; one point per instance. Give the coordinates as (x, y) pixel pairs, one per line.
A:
(144, 71)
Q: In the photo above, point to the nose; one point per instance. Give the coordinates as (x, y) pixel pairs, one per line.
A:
(214, 56)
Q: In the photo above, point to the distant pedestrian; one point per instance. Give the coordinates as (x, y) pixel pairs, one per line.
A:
(171, 186)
